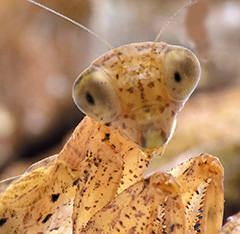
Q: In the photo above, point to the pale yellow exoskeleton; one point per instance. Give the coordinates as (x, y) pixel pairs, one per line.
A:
(96, 184)
(138, 90)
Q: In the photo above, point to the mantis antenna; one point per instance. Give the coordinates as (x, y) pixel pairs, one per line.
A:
(74, 22)
(101, 38)
(172, 17)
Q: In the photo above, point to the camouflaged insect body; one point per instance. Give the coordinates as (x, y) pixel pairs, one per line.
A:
(96, 184)
(87, 174)
(92, 192)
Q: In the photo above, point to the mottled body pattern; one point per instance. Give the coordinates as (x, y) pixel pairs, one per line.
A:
(96, 184)
(84, 190)
(174, 201)
(87, 174)
(139, 83)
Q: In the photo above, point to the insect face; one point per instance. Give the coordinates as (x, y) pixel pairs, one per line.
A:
(138, 89)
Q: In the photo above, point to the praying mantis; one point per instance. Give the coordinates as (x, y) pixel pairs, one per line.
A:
(96, 184)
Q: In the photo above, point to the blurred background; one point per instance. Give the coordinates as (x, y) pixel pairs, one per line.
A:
(42, 54)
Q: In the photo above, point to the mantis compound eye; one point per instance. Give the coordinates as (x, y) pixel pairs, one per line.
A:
(95, 95)
(182, 72)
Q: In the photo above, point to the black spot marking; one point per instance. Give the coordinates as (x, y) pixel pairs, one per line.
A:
(140, 87)
(177, 77)
(53, 229)
(186, 171)
(130, 90)
(172, 228)
(143, 47)
(151, 84)
(75, 182)
(106, 58)
(117, 76)
(134, 208)
(114, 64)
(90, 98)
(196, 226)
(47, 218)
(201, 211)
(146, 108)
(108, 124)
(147, 181)
(162, 109)
(121, 223)
(55, 197)
(2, 221)
(107, 137)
